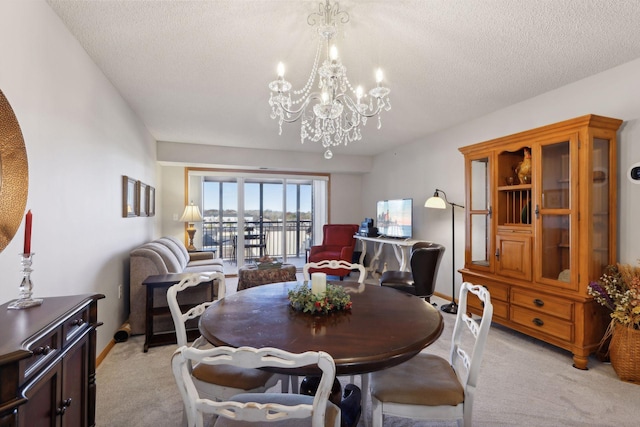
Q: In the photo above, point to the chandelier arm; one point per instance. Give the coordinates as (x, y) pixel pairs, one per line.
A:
(354, 107)
(296, 113)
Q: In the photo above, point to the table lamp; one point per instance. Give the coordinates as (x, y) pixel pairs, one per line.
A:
(436, 202)
(191, 214)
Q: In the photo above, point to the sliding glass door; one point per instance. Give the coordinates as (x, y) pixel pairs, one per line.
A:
(249, 217)
(263, 219)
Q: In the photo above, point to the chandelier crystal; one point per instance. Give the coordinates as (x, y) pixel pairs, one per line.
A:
(335, 112)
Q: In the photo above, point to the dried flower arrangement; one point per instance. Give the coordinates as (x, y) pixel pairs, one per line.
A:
(618, 289)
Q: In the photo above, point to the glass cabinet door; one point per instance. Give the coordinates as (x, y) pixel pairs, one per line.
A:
(479, 213)
(554, 203)
(600, 208)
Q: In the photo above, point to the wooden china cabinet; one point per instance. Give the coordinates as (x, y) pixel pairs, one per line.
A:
(536, 239)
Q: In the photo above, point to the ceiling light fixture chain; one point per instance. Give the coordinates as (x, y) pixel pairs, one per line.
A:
(330, 115)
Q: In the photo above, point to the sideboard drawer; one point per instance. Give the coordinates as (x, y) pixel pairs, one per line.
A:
(543, 303)
(44, 349)
(543, 322)
(75, 325)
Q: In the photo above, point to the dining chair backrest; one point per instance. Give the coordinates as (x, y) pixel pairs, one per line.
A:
(430, 387)
(180, 319)
(425, 262)
(257, 407)
(213, 382)
(467, 363)
(335, 265)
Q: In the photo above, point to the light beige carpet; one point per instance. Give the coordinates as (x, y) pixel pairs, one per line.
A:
(523, 382)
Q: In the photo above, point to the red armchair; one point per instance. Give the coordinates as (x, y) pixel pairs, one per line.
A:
(337, 243)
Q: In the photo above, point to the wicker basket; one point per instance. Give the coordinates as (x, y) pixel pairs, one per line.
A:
(624, 352)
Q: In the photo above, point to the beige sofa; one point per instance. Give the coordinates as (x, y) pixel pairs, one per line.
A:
(163, 256)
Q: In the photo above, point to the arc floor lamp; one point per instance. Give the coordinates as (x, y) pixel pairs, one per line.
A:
(437, 202)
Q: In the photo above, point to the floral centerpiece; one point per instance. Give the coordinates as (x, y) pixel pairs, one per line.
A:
(333, 299)
(618, 289)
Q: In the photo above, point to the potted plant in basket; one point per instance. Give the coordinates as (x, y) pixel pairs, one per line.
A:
(618, 289)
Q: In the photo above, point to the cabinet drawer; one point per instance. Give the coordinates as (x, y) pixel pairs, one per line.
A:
(543, 303)
(500, 308)
(542, 322)
(44, 349)
(497, 290)
(75, 325)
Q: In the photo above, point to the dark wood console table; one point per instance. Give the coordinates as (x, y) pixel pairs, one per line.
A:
(154, 338)
(48, 363)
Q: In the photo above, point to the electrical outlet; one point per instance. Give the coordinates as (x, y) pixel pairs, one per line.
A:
(119, 291)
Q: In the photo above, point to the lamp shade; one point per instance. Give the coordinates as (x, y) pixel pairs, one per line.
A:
(191, 214)
(435, 202)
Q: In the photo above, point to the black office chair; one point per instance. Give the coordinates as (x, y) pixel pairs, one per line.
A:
(421, 280)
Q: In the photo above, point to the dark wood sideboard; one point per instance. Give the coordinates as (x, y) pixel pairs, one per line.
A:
(48, 361)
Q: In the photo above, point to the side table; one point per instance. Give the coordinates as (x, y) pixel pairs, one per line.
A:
(164, 281)
(250, 275)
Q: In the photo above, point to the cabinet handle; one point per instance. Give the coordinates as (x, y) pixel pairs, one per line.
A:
(498, 254)
(538, 302)
(490, 212)
(537, 322)
(42, 350)
(77, 322)
(537, 211)
(65, 404)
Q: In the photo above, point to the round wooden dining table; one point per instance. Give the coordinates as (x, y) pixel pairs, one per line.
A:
(384, 327)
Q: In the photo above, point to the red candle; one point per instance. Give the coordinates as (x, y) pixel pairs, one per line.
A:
(27, 233)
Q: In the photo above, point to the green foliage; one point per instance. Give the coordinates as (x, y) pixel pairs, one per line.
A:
(334, 299)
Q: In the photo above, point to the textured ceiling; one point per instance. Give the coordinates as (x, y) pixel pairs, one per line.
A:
(197, 71)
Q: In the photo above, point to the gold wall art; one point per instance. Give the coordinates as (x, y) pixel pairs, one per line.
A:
(14, 173)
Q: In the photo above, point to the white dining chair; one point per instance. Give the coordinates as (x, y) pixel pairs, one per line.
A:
(338, 264)
(214, 382)
(334, 264)
(429, 387)
(295, 410)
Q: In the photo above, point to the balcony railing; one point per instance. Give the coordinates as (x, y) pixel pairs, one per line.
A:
(222, 237)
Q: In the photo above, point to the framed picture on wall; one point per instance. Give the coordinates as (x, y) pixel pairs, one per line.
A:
(142, 198)
(151, 201)
(129, 197)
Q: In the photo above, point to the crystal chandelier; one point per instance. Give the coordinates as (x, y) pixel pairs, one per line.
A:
(331, 114)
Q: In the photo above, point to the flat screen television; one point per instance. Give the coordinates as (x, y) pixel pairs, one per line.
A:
(394, 218)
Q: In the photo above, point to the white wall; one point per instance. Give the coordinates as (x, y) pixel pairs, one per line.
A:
(246, 158)
(80, 138)
(416, 170)
(344, 200)
(172, 178)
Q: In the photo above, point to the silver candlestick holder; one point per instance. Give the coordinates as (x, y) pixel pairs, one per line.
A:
(25, 299)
